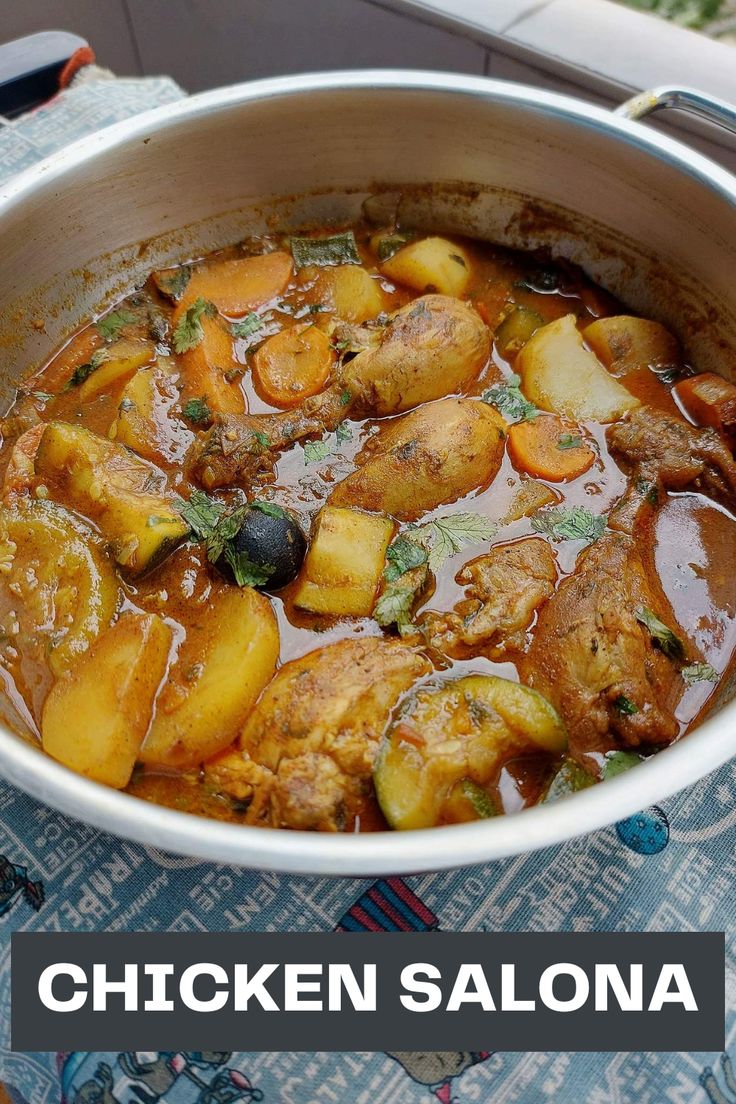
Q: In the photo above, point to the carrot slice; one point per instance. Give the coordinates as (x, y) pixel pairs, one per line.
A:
(549, 448)
(292, 365)
(203, 367)
(241, 284)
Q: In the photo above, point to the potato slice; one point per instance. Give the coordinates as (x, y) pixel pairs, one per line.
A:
(228, 656)
(431, 264)
(463, 730)
(625, 344)
(144, 421)
(106, 483)
(433, 455)
(559, 374)
(350, 291)
(343, 568)
(96, 717)
(64, 589)
(121, 361)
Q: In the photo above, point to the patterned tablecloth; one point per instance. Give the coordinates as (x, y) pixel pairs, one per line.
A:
(669, 868)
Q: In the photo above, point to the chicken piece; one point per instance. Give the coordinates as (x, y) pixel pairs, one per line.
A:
(595, 661)
(504, 588)
(310, 743)
(20, 470)
(665, 448)
(433, 455)
(431, 347)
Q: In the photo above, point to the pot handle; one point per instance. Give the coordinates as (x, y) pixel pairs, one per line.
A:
(685, 99)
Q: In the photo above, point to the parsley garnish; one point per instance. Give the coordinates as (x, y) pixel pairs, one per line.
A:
(447, 535)
(699, 672)
(509, 401)
(648, 490)
(314, 451)
(110, 326)
(394, 607)
(662, 636)
(575, 523)
(247, 326)
(245, 571)
(84, 371)
(262, 439)
(189, 332)
(208, 521)
(569, 441)
(345, 397)
(343, 432)
(334, 250)
(198, 411)
(402, 556)
(625, 706)
(201, 513)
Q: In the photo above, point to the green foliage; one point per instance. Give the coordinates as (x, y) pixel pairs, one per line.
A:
(688, 13)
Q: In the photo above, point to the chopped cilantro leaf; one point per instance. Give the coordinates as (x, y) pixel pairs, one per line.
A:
(245, 571)
(344, 398)
(569, 441)
(198, 411)
(664, 638)
(575, 523)
(189, 332)
(84, 371)
(262, 439)
(403, 555)
(247, 326)
(648, 489)
(343, 432)
(110, 326)
(699, 672)
(394, 607)
(625, 706)
(201, 513)
(447, 535)
(314, 451)
(509, 401)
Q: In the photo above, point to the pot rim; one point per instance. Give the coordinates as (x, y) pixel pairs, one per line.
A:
(380, 853)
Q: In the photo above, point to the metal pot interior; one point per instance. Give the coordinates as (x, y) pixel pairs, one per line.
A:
(647, 219)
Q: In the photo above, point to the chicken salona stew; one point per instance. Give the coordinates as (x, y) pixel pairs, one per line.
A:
(367, 528)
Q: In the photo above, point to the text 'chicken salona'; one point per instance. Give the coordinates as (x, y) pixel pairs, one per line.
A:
(366, 528)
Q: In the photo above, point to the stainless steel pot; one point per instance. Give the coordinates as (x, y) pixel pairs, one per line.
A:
(646, 216)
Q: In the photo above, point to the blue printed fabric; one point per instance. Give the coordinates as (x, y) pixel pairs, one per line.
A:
(669, 868)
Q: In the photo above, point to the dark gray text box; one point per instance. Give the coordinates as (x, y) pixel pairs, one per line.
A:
(391, 1026)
